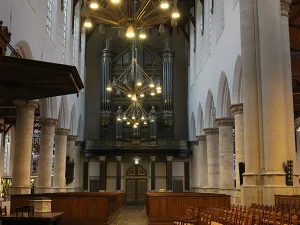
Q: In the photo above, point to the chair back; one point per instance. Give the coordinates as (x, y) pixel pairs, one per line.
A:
(3, 211)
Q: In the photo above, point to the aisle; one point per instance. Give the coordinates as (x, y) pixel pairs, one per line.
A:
(131, 215)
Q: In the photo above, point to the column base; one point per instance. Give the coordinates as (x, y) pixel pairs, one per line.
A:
(40, 190)
(250, 194)
(211, 190)
(15, 190)
(226, 191)
(195, 189)
(58, 190)
(237, 200)
(269, 192)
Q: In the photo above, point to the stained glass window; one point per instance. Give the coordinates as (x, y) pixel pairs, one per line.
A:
(36, 147)
(6, 154)
(65, 29)
(49, 17)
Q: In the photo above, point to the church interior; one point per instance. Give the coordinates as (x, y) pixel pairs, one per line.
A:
(150, 112)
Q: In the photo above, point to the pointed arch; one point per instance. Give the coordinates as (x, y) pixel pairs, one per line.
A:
(63, 113)
(80, 128)
(192, 128)
(223, 100)
(210, 117)
(237, 89)
(48, 108)
(23, 48)
(200, 125)
(73, 121)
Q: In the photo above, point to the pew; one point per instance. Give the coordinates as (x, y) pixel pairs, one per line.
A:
(163, 208)
(80, 208)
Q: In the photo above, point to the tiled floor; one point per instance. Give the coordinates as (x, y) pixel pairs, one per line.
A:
(131, 215)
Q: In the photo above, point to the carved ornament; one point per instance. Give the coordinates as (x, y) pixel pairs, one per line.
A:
(237, 108)
(285, 7)
(211, 131)
(194, 143)
(201, 138)
(221, 122)
(48, 122)
(72, 138)
(62, 131)
(30, 105)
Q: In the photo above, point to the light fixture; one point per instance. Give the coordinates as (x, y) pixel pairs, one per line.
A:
(129, 95)
(115, 1)
(109, 88)
(158, 91)
(152, 93)
(164, 4)
(142, 95)
(139, 82)
(133, 117)
(136, 160)
(124, 117)
(101, 29)
(142, 118)
(158, 87)
(94, 4)
(175, 13)
(134, 126)
(142, 34)
(128, 122)
(145, 122)
(88, 22)
(133, 98)
(162, 29)
(130, 32)
(118, 118)
(151, 84)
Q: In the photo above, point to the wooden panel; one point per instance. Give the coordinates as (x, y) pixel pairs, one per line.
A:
(85, 176)
(287, 201)
(164, 208)
(93, 208)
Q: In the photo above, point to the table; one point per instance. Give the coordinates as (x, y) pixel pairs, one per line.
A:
(38, 219)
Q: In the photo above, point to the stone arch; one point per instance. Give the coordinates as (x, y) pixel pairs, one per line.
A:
(73, 121)
(237, 88)
(192, 128)
(210, 111)
(200, 125)
(223, 100)
(79, 128)
(23, 48)
(48, 108)
(63, 113)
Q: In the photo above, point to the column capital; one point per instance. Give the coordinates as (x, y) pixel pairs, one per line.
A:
(221, 122)
(211, 131)
(62, 131)
(102, 158)
(152, 158)
(285, 7)
(169, 158)
(201, 138)
(194, 143)
(72, 138)
(48, 122)
(31, 105)
(236, 108)
(119, 158)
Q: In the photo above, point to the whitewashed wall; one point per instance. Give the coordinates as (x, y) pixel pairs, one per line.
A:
(216, 51)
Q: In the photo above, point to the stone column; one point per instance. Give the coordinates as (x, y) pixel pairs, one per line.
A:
(71, 153)
(46, 155)
(59, 177)
(195, 166)
(77, 168)
(273, 99)
(203, 171)
(169, 174)
(102, 177)
(23, 148)
(212, 137)
(250, 65)
(153, 178)
(226, 170)
(237, 110)
(118, 179)
(288, 88)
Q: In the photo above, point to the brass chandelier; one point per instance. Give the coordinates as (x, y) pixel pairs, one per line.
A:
(132, 16)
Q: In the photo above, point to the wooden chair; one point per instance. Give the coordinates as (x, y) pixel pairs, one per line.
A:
(294, 219)
(3, 211)
(286, 218)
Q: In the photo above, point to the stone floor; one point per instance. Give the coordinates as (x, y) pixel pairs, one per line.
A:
(131, 215)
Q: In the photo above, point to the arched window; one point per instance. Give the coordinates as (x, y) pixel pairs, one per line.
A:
(6, 154)
(136, 171)
(49, 17)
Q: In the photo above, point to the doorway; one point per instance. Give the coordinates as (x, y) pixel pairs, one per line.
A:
(136, 185)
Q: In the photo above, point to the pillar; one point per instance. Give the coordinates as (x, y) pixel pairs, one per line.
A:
(23, 147)
(212, 137)
(250, 63)
(153, 183)
(169, 174)
(102, 178)
(77, 169)
(59, 177)
(46, 155)
(288, 88)
(273, 99)
(119, 175)
(237, 110)
(195, 166)
(226, 170)
(71, 139)
(203, 170)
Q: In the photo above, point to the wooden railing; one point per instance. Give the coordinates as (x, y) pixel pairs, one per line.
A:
(164, 208)
(93, 208)
(287, 201)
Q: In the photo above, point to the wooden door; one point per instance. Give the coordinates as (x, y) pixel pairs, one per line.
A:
(94, 185)
(136, 189)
